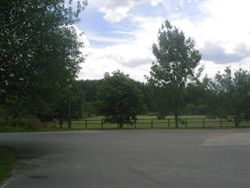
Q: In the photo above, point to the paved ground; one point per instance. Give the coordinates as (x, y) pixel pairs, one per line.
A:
(131, 159)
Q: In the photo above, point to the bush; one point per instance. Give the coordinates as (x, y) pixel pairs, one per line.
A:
(3, 122)
(30, 122)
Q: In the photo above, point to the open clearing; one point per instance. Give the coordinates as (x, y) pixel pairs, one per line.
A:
(131, 158)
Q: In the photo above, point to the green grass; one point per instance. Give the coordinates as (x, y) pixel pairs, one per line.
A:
(144, 122)
(7, 159)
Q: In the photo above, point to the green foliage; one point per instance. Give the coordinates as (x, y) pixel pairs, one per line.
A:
(90, 90)
(27, 122)
(70, 104)
(120, 99)
(148, 97)
(176, 59)
(39, 55)
(232, 94)
(197, 97)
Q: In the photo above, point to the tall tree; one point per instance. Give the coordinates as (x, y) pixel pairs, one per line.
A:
(120, 99)
(39, 52)
(233, 94)
(176, 59)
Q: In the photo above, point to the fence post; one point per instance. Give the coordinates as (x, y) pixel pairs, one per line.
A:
(186, 122)
(101, 124)
(168, 123)
(152, 123)
(203, 122)
(86, 124)
(220, 123)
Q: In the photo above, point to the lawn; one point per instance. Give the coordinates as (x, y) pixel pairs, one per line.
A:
(143, 122)
(194, 121)
(7, 159)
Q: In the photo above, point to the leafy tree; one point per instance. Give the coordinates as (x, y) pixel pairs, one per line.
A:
(198, 97)
(70, 104)
(148, 97)
(39, 52)
(176, 59)
(90, 88)
(120, 99)
(232, 94)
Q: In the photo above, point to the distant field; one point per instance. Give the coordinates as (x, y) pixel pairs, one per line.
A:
(144, 122)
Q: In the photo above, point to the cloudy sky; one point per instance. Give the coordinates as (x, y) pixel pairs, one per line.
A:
(119, 34)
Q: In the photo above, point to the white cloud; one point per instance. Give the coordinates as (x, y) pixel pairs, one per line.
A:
(115, 15)
(133, 57)
(155, 2)
(116, 10)
(97, 38)
(224, 23)
(211, 68)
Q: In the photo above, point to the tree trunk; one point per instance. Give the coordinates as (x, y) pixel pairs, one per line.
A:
(18, 121)
(120, 125)
(69, 122)
(237, 121)
(69, 118)
(176, 120)
(60, 122)
(176, 109)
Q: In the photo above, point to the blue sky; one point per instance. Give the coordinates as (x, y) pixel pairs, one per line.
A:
(118, 34)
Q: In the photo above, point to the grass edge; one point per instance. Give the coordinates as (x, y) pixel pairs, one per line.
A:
(7, 161)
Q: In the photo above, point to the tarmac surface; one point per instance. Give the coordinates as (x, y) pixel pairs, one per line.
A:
(186, 158)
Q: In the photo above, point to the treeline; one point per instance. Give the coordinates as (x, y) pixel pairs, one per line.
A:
(225, 96)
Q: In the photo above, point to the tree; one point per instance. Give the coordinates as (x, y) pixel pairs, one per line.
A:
(176, 59)
(233, 94)
(70, 104)
(198, 97)
(89, 88)
(147, 96)
(120, 99)
(39, 52)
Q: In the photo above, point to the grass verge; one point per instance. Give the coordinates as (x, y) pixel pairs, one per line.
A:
(7, 159)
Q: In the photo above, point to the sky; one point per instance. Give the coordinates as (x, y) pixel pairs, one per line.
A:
(119, 34)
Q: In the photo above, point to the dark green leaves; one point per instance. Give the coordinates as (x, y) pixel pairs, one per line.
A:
(120, 99)
(233, 94)
(39, 51)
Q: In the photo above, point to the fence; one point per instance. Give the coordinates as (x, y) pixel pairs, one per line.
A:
(155, 123)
